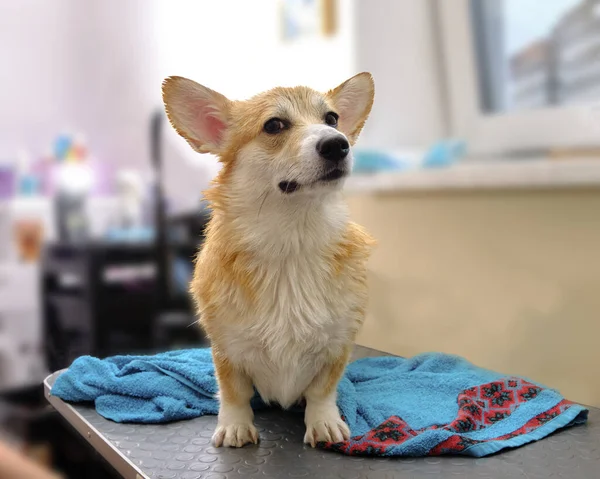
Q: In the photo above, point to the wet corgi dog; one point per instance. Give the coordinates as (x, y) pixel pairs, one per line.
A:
(280, 282)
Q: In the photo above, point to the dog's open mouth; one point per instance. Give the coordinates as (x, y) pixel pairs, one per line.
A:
(333, 175)
(288, 187)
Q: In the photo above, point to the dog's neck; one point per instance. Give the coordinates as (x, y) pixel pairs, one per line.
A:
(279, 225)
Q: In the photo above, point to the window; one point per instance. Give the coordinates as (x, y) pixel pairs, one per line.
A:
(532, 55)
(523, 74)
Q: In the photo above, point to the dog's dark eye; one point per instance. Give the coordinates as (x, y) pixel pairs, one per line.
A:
(331, 119)
(274, 126)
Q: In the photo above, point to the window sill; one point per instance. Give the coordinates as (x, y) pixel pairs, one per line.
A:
(488, 175)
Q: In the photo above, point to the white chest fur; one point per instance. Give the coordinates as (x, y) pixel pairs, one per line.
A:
(301, 321)
(300, 317)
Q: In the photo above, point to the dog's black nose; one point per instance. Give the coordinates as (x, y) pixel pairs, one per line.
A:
(333, 149)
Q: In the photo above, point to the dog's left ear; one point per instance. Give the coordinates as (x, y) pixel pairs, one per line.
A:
(197, 113)
(353, 100)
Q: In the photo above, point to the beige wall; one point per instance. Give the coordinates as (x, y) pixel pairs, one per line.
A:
(508, 279)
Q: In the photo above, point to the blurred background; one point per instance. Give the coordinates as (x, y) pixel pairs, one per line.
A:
(478, 172)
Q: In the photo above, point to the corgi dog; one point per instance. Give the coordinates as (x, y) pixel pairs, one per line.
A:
(280, 283)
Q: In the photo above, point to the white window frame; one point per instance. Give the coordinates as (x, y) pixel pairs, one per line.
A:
(531, 130)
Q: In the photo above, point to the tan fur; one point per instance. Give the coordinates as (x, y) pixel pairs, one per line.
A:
(254, 310)
(354, 132)
(226, 374)
(335, 372)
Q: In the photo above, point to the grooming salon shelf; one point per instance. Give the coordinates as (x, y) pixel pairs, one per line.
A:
(182, 450)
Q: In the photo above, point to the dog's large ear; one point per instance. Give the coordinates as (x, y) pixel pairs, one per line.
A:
(197, 113)
(353, 100)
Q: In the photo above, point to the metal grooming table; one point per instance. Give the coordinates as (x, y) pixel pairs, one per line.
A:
(182, 450)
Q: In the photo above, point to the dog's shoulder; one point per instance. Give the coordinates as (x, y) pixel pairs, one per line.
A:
(353, 249)
(360, 240)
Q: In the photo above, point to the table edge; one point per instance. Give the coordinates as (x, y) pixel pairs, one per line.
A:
(110, 453)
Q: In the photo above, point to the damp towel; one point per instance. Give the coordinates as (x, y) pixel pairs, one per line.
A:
(431, 404)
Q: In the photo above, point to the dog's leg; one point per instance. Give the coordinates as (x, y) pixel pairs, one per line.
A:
(235, 426)
(322, 418)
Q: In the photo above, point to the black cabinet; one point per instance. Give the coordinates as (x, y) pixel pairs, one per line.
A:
(99, 299)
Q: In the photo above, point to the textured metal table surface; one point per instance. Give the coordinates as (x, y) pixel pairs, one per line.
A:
(182, 450)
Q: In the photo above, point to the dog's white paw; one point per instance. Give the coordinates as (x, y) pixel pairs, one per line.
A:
(326, 430)
(235, 435)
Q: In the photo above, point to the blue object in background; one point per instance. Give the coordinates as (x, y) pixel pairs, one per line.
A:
(62, 144)
(135, 235)
(29, 185)
(444, 153)
(441, 154)
(373, 161)
(182, 272)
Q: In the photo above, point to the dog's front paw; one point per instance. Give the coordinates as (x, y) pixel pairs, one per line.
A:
(235, 435)
(326, 430)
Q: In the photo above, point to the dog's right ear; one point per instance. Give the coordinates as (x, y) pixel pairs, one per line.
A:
(197, 113)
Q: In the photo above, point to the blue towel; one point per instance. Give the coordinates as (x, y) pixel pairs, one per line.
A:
(431, 404)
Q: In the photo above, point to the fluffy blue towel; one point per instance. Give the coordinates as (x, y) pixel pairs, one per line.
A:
(431, 404)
